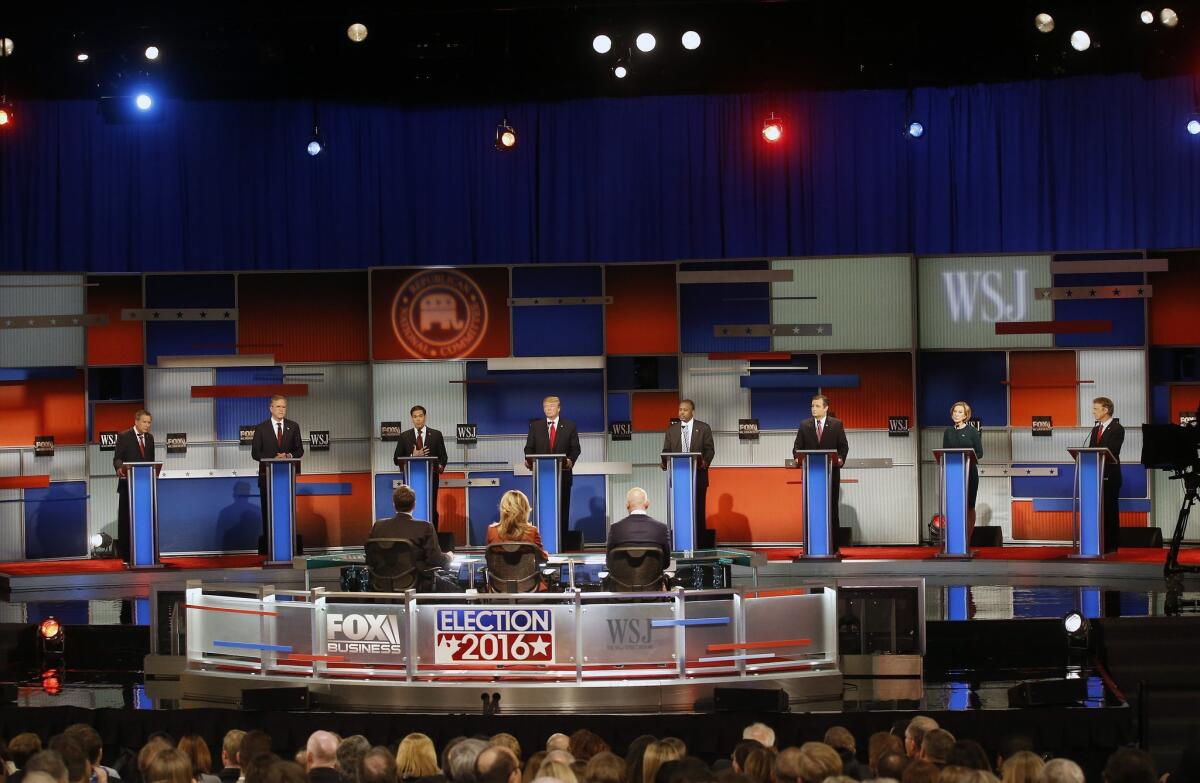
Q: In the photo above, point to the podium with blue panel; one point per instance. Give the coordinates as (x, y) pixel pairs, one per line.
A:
(280, 504)
(817, 490)
(143, 514)
(954, 475)
(681, 494)
(419, 474)
(1087, 511)
(547, 472)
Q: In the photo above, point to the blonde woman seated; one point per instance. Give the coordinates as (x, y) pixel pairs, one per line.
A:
(514, 524)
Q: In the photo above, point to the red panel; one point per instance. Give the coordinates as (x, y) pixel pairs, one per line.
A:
(1043, 383)
(118, 342)
(644, 315)
(1030, 525)
(52, 406)
(885, 387)
(326, 316)
(24, 482)
(335, 520)
(1053, 327)
(1184, 398)
(762, 505)
(452, 509)
(252, 390)
(439, 313)
(653, 411)
(1173, 306)
(113, 417)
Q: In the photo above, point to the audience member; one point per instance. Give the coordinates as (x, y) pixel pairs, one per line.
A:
(556, 770)
(35, 776)
(605, 767)
(170, 765)
(892, 765)
(1129, 765)
(417, 761)
(1023, 767)
(760, 732)
(460, 763)
(635, 757)
(1012, 744)
(969, 754)
(506, 740)
(497, 764)
(741, 751)
(231, 743)
(47, 762)
(936, 746)
(558, 742)
(532, 764)
(286, 772)
(254, 743)
(1062, 771)
(71, 751)
(584, 744)
(196, 749)
(688, 769)
(915, 733)
(759, 764)
(350, 753)
(378, 765)
(320, 758)
(657, 754)
(919, 771)
(841, 740)
(258, 766)
(880, 744)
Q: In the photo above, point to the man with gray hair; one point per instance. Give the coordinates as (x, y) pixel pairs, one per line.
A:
(914, 735)
(1062, 771)
(460, 762)
(320, 758)
(761, 733)
(558, 742)
(350, 753)
(639, 527)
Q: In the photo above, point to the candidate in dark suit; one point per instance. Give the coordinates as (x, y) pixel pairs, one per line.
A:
(135, 444)
(823, 431)
(1107, 433)
(691, 434)
(639, 527)
(555, 435)
(427, 553)
(278, 436)
(422, 441)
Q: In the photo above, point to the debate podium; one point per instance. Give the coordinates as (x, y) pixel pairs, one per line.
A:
(820, 539)
(954, 474)
(142, 478)
(1087, 510)
(280, 506)
(547, 472)
(681, 497)
(420, 473)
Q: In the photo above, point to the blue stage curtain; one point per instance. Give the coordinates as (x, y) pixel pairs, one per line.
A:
(1085, 163)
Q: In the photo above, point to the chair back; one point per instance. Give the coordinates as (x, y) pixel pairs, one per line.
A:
(393, 564)
(512, 567)
(634, 568)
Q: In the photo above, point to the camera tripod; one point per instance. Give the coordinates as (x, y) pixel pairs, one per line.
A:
(1191, 483)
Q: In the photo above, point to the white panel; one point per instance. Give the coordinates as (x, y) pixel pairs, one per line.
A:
(993, 505)
(401, 385)
(232, 456)
(69, 463)
(348, 456)
(102, 506)
(1118, 375)
(169, 399)
(10, 462)
(771, 449)
(992, 602)
(996, 445)
(196, 458)
(49, 347)
(336, 401)
(104, 612)
(962, 297)
(1028, 448)
(720, 402)
(12, 538)
(99, 462)
(879, 506)
(652, 479)
(13, 613)
(841, 286)
(877, 444)
(642, 450)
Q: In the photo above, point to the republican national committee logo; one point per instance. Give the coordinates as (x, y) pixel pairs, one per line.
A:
(439, 314)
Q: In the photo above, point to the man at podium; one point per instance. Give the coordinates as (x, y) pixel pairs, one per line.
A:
(555, 435)
(277, 437)
(1107, 433)
(823, 431)
(135, 444)
(422, 441)
(691, 434)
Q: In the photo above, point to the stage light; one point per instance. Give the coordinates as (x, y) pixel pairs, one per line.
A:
(102, 546)
(6, 47)
(1147, 17)
(357, 32)
(620, 70)
(1044, 23)
(6, 113)
(506, 137)
(1080, 41)
(152, 52)
(691, 40)
(316, 145)
(1193, 127)
(1168, 17)
(602, 44)
(772, 129)
(50, 629)
(915, 130)
(645, 42)
(143, 101)
(52, 682)
(82, 57)
(1074, 623)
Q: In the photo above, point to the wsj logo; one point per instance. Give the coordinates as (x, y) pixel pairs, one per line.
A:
(986, 296)
(620, 430)
(108, 441)
(897, 425)
(466, 433)
(363, 633)
(318, 440)
(632, 632)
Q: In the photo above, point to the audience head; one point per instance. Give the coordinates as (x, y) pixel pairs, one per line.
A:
(657, 754)
(1062, 771)
(759, 764)
(679, 745)
(741, 751)
(37, 776)
(636, 499)
(254, 743)
(1129, 765)
(635, 757)
(153, 746)
(584, 744)
(605, 767)
(840, 737)
(532, 764)
(404, 499)
(170, 765)
(920, 771)
(969, 754)
(460, 761)
(1011, 745)
(688, 769)
(559, 756)
(321, 750)
(416, 757)
(378, 765)
(506, 740)
(497, 764)
(256, 769)
(196, 749)
(818, 761)
(514, 519)
(880, 744)
(936, 746)
(49, 763)
(892, 764)
(231, 744)
(71, 751)
(556, 770)
(89, 738)
(22, 746)
(350, 752)
(760, 732)
(1022, 767)
(286, 772)
(914, 734)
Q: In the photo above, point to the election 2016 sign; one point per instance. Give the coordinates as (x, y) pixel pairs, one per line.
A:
(494, 635)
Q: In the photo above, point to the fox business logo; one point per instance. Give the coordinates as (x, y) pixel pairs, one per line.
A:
(246, 434)
(747, 429)
(390, 430)
(376, 634)
(1043, 425)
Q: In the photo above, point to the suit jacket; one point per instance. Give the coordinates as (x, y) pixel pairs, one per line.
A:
(1112, 439)
(833, 436)
(641, 529)
(433, 441)
(419, 532)
(531, 536)
(702, 441)
(127, 451)
(566, 440)
(266, 445)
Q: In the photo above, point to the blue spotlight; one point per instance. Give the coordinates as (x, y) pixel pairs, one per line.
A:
(143, 101)
(314, 148)
(915, 130)
(1193, 127)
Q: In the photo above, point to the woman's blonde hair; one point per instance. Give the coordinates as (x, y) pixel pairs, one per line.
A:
(657, 754)
(170, 766)
(514, 515)
(965, 405)
(559, 771)
(416, 757)
(1023, 767)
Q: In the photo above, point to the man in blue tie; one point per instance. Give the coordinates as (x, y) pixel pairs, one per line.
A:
(693, 435)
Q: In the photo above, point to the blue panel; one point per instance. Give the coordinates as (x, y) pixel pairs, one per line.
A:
(1160, 404)
(56, 520)
(1066, 504)
(384, 508)
(141, 611)
(208, 514)
(944, 377)
(956, 504)
(588, 502)
(483, 503)
(1134, 604)
(682, 518)
(1174, 364)
(704, 306)
(189, 338)
(787, 380)
(619, 407)
(232, 412)
(1133, 482)
(36, 373)
(958, 602)
(567, 330)
(505, 404)
(540, 280)
(190, 291)
(1127, 315)
(784, 409)
(115, 384)
(66, 612)
(638, 373)
(1042, 602)
(325, 489)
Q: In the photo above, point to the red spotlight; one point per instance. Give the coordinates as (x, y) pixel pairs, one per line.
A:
(772, 129)
(50, 629)
(6, 114)
(52, 682)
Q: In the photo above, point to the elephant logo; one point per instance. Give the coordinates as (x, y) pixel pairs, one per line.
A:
(439, 314)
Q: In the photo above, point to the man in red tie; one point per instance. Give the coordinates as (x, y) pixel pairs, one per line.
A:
(823, 431)
(133, 445)
(277, 437)
(1108, 433)
(423, 441)
(556, 435)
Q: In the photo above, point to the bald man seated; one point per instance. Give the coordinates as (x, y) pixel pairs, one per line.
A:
(321, 758)
(639, 527)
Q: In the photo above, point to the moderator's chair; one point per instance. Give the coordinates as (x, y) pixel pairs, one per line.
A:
(635, 568)
(513, 567)
(393, 565)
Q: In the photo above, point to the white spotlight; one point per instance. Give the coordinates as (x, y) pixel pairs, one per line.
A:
(1080, 41)
(6, 47)
(1168, 17)
(602, 44)
(357, 32)
(915, 129)
(645, 42)
(82, 57)
(620, 71)
(313, 148)
(152, 52)
(1147, 17)
(1193, 127)
(1044, 23)
(691, 40)
(143, 101)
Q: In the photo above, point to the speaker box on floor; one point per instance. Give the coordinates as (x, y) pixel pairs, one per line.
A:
(1141, 537)
(987, 536)
(708, 539)
(446, 541)
(276, 699)
(1047, 693)
(572, 541)
(750, 700)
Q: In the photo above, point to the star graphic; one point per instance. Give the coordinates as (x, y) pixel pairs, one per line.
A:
(748, 330)
(1141, 292)
(795, 330)
(820, 330)
(156, 314)
(31, 322)
(1116, 292)
(8, 323)
(203, 314)
(1092, 292)
(53, 321)
(74, 321)
(1070, 292)
(539, 647)
(226, 313)
(179, 315)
